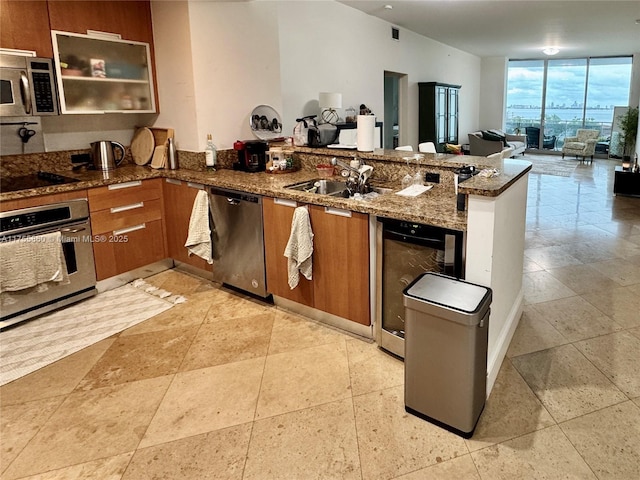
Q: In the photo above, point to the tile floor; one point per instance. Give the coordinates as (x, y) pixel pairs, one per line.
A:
(223, 387)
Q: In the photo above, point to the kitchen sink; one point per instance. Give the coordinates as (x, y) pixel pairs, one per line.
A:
(335, 188)
(320, 186)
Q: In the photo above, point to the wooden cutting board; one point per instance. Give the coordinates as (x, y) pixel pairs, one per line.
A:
(161, 135)
(142, 146)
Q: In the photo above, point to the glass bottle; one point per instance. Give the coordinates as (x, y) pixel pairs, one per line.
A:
(210, 154)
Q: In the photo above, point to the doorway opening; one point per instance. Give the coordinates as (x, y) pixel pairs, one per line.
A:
(395, 108)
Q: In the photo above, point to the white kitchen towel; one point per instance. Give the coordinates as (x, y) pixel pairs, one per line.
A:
(30, 261)
(299, 248)
(199, 237)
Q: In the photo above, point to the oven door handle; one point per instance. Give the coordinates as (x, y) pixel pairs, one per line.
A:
(73, 230)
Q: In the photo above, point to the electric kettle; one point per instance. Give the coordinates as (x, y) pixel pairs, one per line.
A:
(103, 156)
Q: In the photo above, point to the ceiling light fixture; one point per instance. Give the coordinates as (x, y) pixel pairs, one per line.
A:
(388, 7)
(550, 50)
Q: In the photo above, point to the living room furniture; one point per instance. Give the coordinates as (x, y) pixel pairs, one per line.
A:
(438, 113)
(626, 182)
(427, 147)
(488, 142)
(582, 145)
(533, 139)
(405, 148)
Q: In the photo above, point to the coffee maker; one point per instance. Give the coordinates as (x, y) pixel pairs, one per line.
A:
(251, 155)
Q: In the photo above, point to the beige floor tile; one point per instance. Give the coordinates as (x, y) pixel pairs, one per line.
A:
(551, 257)
(616, 356)
(178, 282)
(575, 318)
(582, 278)
(91, 425)
(137, 357)
(294, 332)
(621, 304)
(19, 423)
(531, 266)
(461, 468)
(200, 401)
(110, 468)
(229, 340)
(533, 334)
(304, 378)
(511, 410)
(315, 443)
(371, 368)
(188, 314)
(543, 287)
(545, 454)
(623, 271)
(59, 378)
(608, 440)
(214, 455)
(635, 332)
(225, 305)
(393, 442)
(566, 383)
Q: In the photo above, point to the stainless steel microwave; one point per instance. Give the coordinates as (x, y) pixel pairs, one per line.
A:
(27, 86)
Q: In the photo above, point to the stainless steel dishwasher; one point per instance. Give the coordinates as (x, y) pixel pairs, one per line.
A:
(237, 241)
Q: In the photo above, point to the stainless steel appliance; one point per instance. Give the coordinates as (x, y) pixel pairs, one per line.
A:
(407, 250)
(103, 154)
(27, 86)
(236, 240)
(71, 219)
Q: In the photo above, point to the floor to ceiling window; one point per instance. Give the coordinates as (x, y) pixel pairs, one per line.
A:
(558, 96)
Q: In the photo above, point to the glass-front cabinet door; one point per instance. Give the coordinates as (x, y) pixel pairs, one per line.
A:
(103, 74)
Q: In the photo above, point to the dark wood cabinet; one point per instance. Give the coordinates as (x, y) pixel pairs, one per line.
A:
(438, 113)
(178, 203)
(626, 182)
(24, 25)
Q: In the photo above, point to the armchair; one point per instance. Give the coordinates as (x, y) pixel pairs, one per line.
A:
(582, 145)
(533, 139)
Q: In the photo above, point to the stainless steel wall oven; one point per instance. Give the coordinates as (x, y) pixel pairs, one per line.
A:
(71, 219)
(405, 250)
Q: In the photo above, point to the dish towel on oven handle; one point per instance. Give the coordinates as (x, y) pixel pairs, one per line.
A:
(299, 249)
(32, 261)
(199, 236)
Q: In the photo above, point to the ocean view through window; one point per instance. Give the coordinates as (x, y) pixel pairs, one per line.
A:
(560, 96)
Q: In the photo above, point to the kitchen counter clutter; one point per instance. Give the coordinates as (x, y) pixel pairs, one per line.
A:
(435, 207)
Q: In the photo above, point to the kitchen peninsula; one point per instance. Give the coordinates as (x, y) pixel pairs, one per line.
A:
(493, 223)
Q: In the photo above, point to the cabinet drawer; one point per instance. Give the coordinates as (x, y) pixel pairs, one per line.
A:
(141, 246)
(124, 216)
(126, 193)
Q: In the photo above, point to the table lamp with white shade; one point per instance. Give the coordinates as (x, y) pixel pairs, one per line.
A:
(328, 104)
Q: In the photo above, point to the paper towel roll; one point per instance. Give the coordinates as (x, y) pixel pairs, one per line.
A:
(366, 133)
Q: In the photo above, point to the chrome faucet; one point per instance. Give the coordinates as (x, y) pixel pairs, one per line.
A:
(357, 179)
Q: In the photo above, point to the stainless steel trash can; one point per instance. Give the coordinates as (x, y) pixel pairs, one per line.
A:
(445, 362)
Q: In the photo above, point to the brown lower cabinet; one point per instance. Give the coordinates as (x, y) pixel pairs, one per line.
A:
(127, 226)
(340, 283)
(178, 203)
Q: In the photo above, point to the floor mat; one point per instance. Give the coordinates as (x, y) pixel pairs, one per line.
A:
(39, 342)
(552, 165)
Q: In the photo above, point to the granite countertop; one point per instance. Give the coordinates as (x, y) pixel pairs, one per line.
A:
(435, 207)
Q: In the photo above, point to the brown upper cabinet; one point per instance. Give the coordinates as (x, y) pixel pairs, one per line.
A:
(24, 25)
(131, 19)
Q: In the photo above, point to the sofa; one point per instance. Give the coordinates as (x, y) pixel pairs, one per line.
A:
(489, 142)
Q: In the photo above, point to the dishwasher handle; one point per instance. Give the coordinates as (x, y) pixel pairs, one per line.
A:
(234, 197)
(436, 243)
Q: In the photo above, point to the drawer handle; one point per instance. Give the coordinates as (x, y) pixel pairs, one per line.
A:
(117, 186)
(195, 185)
(337, 211)
(122, 231)
(72, 230)
(173, 181)
(285, 202)
(124, 208)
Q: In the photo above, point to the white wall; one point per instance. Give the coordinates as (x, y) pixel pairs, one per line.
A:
(493, 79)
(284, 53)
